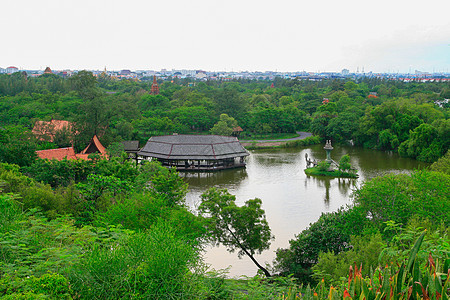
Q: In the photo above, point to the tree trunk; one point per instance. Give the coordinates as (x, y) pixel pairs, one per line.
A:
(251, 256)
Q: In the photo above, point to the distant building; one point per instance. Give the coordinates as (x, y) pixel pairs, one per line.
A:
(345, 72)
(11, 70)
(155, 87)
(200, 75)
(48, 71)
(125, 72)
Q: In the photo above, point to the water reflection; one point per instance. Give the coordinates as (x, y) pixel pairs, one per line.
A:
(225, 177)
(291, 199)
(345, 186)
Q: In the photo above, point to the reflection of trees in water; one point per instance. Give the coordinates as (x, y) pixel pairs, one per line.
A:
(209, 179)
(275, 158)
(345, 185)
(369, 162)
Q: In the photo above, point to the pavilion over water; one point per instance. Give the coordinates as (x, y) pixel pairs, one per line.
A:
(195, 152)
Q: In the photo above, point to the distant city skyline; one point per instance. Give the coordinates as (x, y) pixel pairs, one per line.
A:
(248, 35)
(192, 72)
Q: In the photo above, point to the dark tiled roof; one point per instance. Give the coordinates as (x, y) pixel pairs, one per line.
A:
(196, 147)
(131, 146)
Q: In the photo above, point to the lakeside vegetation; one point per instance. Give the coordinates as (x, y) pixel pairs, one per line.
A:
(106, 229)
(58, 236)
(325, 168)
(409, 118)
(317, 171)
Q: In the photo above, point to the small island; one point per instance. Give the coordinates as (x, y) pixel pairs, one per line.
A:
(329, 167)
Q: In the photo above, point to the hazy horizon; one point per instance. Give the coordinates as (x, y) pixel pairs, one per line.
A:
(285, 36)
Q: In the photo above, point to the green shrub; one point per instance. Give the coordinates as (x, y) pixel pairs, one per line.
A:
(311, 140)
(344, 163)
(364, 251)
(11, 180)
(399, 197)
(150, 265)
(442, 165)
(48, 286)
(331, 233)
(323, 166)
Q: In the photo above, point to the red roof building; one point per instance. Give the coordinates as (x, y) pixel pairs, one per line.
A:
(69, 153)
(94, 147)
(44, 130)
(58, 154)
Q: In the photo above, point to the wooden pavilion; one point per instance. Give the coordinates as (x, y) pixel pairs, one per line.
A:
(195, 152)
(69, 153)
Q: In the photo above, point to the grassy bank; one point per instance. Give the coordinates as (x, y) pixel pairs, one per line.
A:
(315, 171)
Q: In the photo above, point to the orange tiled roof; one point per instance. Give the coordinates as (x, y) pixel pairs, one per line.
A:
(94, 146)
(42, 128)
(58, 154)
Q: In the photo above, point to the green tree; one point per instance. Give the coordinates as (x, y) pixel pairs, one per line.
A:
(238, 228)
(17, 146)
(344, 163)
(225, 125)
(422, 144)
(331, 233)
(85, 84)
(168, 185)
(400, 197)
(442, 164)
(342, 127)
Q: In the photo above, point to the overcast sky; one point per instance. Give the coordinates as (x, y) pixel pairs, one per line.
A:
(239, 35)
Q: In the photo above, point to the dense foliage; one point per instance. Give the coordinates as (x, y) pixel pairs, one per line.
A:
(387, 213)
(108, 229)
(411, 118)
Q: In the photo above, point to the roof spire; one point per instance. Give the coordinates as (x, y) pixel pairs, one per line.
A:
(155, 87)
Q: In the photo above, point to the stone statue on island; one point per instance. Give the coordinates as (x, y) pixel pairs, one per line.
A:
(328, 149)
(329, 167)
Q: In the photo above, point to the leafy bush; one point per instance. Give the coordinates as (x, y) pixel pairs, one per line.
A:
(323, 166)
(311, 140)
(364, 251)
(344, 163)
(148, 265)
(405, 281)
(400, 197)
(49, 285)
(11, 180)
(442, 165)
(331, 233)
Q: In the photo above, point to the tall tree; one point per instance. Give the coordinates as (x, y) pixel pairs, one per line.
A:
(242, 228)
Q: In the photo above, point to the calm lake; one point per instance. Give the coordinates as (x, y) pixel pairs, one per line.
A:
(290, 199)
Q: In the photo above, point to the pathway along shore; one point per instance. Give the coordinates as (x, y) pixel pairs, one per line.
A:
(274, 143)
